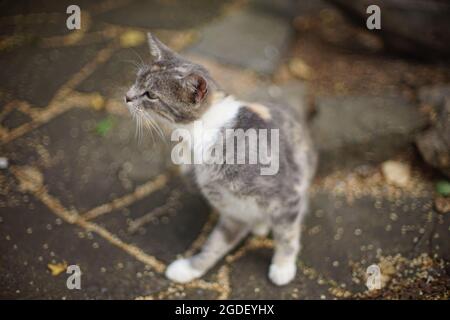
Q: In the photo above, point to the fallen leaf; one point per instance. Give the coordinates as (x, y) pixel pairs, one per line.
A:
(132, 38)
(104, 126)
(300, 69)
(30, 178)
(396, 172)
(57, 268)
(97, 101)
(443, 188)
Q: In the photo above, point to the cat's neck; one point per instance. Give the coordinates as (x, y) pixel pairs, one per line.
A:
(221, 113)
(222, 110)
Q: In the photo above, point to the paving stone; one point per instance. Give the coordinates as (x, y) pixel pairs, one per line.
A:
(283, 8)
(440, 235)
(293, 93)
(173, 229)
(287, 9)
(337, 233)
(14, 119)
(5, 97)
(252, 270)
(32, 237)
(350, 131)
(164, 15)
(81, 167)
(247, 39)
(35, 74)
(189, 294)
(30, 71)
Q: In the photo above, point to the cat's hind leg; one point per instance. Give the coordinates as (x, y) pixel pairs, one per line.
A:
(283, 267)
(227, 234)
(286, 234)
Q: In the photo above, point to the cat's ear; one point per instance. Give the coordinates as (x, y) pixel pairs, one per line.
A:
(198, 87)
(158, 50)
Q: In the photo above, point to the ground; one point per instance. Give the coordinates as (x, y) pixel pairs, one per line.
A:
(81, 190)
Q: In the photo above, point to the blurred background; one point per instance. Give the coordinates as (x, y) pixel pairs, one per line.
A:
(77, 188)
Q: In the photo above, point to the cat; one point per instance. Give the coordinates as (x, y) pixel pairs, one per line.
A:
(178, 93)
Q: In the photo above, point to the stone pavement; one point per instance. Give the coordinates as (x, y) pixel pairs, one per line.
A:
(80, 189)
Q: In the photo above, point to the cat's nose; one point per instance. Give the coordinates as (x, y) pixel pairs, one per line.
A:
(128, 98)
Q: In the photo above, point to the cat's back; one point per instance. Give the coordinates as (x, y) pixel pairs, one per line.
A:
(291, 124)
(288, 128)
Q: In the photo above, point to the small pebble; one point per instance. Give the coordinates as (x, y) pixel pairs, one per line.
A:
(396, 173)
(4, 163)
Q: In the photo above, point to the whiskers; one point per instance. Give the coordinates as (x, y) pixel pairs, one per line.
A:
(145, 123)
(139, 64)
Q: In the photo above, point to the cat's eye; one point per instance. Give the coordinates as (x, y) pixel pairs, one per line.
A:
(150, 95)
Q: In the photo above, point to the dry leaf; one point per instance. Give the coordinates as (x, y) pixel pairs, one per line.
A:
(57, 268)
(97, 102)
(132, 38)
(31, 179)
(300, 69)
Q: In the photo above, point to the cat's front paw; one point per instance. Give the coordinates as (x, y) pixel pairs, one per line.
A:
(181, 271)
(282, 274)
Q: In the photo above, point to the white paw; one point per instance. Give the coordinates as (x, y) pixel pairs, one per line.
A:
(261, 230)
(281, 275)
(182, 271)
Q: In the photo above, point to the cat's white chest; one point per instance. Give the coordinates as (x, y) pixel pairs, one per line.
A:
(206, 131)
(239, 208)
(216, 118)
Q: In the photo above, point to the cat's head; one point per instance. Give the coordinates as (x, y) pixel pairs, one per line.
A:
(170, 86)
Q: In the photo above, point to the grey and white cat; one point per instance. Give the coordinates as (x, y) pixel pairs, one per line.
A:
(178, 92)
